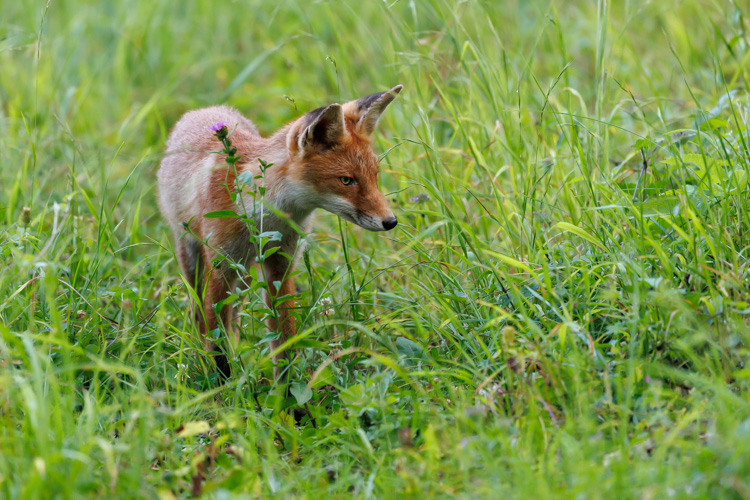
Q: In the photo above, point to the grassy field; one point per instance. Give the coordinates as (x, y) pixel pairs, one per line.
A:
(562, 311)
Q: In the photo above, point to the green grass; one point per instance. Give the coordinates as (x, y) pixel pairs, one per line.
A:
(555, 321)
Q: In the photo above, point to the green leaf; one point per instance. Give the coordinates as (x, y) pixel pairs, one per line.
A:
(644, 143)
(476, 152)
(653, 282)
(325, 377)
(737, 181)
(572, 228)
(221, 214)
(245, 177)
(191, 429)
(714, 123)
(660, 206)
(301, 392)
(352, 396)
(219, 305)
(271, 235)
(703, 168)
(308, 342)
(408, 348)
(510, 260)
(266, 254)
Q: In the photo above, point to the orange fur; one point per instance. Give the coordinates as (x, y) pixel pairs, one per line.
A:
(312, 157)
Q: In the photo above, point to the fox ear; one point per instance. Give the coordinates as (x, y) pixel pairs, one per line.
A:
(370, 107)
(323, 127)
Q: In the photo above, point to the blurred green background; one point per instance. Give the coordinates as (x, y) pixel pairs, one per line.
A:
(562, 311)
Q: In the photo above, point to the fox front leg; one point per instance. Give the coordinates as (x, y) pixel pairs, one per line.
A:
(219, 281)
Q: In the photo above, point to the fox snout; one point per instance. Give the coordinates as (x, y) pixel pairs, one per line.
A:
(376, 222)
(390, 222)
(382, 219)
(363, 214)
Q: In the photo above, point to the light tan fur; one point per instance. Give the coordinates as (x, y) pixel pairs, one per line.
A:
(310, 157)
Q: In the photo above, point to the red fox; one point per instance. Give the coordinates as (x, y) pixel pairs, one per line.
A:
(324, 159)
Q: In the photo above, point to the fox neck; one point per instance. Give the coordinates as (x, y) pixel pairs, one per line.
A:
(282, 189)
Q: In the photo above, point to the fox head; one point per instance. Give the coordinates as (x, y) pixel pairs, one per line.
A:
(335, 165)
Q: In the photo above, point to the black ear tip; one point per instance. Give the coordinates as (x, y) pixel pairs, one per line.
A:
(397, 89)
(334, 108)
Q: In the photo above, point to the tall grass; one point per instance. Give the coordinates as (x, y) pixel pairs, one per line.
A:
(562, 311)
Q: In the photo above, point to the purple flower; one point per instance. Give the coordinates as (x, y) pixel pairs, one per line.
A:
(217, 127)
(420, 198)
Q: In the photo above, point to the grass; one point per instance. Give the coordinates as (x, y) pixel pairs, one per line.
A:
(563, 312)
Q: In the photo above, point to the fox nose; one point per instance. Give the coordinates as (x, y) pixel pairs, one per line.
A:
(390, 223)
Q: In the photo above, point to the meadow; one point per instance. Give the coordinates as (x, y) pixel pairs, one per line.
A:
(562, 311)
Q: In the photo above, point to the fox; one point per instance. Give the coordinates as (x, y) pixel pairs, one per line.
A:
(323, 159)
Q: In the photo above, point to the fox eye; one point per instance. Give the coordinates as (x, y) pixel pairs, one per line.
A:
(346, 181)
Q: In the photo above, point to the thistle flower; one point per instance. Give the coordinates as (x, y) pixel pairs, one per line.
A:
(420, 198)
(218, 126)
